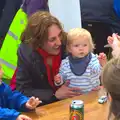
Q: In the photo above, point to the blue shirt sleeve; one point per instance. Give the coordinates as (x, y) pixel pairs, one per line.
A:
(8, 114)
(15, 99)
(117, 7)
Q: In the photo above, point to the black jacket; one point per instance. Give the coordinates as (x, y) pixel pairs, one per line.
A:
(31, 77)
(102, 11)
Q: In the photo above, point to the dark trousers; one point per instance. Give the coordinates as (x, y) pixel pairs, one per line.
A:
(99, 31)
(2, 4)
(10, 9)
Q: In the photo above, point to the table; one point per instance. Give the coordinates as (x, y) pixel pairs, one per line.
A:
(60, 110)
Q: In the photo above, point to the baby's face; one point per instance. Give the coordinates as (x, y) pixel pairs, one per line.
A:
(79, 47)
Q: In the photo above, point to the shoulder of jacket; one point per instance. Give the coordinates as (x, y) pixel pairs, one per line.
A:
(27, 54)
(24, 50)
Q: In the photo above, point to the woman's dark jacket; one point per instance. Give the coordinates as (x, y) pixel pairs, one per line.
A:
(31, 77)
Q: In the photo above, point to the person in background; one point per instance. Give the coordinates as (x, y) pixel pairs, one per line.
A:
(29, 7)
(32, 6)
(12, 38)
(10, 8)
(2, 4)
(111, 82)
(13, 103)
(106, 11)
(102, 19)
(82, 68)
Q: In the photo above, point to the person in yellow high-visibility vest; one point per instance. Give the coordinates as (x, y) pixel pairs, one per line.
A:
(8, 52)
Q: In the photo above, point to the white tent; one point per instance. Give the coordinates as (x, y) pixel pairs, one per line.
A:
(67, 11)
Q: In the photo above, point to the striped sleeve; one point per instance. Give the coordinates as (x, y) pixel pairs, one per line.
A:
(95, 71)
(63, 68)
(95, 65)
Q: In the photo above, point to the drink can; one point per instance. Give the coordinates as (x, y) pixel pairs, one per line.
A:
(77, 110)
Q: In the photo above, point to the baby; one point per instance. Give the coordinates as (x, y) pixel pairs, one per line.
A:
(12, 103)
(81, 67)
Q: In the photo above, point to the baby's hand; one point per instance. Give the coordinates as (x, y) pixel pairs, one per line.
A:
(23, 117)
(57, 79)
(102, 59)
(96, 88)
(32, 103)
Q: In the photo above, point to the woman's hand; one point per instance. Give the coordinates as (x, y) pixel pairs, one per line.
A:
(65, 92)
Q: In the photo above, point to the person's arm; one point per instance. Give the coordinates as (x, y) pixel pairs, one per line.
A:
(8, 114)
(116, 7)
(95, 65)
(24, 83)
(61, 77)
(15, 100)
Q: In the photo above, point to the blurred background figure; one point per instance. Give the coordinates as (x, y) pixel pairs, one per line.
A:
(101, 18)
(2, 4)
(12, 38)
(32, 6)
(8, 9)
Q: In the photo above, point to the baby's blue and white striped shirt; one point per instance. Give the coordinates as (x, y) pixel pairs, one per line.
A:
(88, 80)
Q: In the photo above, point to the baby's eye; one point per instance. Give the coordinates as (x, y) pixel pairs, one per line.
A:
(85, 45)
(76, 45)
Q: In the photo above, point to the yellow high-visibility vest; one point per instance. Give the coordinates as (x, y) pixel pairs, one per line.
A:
(8, 52)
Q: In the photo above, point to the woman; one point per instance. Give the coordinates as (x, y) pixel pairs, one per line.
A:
(39, 57)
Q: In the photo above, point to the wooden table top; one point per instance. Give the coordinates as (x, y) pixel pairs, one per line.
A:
(60, 110)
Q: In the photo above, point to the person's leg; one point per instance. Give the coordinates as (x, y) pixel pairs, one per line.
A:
(2, 4)
(10, 9)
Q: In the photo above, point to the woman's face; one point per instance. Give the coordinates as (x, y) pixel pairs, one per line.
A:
(53, 44)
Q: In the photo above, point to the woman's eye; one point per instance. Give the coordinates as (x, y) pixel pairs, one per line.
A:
(52, 39)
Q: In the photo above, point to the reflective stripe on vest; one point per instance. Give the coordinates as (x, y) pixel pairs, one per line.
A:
(8, 52)
(12, 34)
(7, 64)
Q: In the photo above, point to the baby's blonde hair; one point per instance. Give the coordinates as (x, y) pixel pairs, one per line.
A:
(80, 32)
